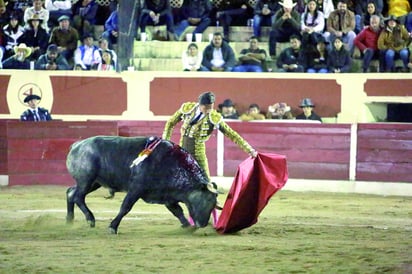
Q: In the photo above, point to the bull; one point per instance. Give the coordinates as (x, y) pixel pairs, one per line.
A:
(169, 175)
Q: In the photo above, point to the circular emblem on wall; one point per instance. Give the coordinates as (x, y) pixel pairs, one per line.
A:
(28, 89)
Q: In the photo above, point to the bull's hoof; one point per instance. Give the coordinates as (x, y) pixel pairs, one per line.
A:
(91, 223)
(112, 230)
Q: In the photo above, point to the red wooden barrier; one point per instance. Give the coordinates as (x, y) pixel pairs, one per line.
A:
(384, 152)
(37, 151)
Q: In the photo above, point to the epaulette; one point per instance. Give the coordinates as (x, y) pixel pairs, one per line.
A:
(188, 107)
(215, 117)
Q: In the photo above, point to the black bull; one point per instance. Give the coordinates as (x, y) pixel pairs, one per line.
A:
(169, 175)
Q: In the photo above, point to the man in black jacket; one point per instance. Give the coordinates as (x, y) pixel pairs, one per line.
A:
(35, 113)
(194, 13)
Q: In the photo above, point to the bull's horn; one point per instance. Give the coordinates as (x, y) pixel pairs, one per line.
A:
(212, 187)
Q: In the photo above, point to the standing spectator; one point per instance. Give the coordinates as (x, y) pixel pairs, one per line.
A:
(339, 59)
(157, 12)
(233, 11)
(111, 28)
(251, 59)
(41, 12)
(341, 23)
(107, 63)
(52, 60)
(104, 46)
(35, 37)
(192, 58)
(316, 61)
(264, 15)
(308, 114)
(35, 113)
(367, 42)
(393, 43)
(228, 110)
(292, 59)
(65, 37)
(287, 23)
(279, 111)
(56, 9)
(253, 113)
(87, 55)
(84, 16)
(20, 59)
(194, 13)
(313, 23)
(12, 32)
(218, 55)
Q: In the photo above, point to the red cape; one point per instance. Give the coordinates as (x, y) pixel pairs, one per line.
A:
(256, 181)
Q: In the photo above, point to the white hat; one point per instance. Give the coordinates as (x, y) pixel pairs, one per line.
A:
(23, 46)
(287, 4)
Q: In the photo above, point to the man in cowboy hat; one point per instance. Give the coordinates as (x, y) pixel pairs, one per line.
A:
(287, 23)
(308, 114)
(227, 109)
(19, 59)
(35, 113)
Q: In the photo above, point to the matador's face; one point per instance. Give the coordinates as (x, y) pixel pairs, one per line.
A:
(206, 108)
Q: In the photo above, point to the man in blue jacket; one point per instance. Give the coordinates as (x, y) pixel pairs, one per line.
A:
(35, 113)
(218, 55)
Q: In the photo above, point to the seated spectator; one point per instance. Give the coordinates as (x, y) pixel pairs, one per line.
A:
(56, 9)
(398, 8)
(192, 58)
(279, 111)
(107, 63)
(65, 37)
(35, 113)
(158, 12)
(17, 7)
(104, 46)
(12, 32)
(20, 59)
(365, 18)
(264, 15)
(341, 23)
(228, 110)
(339, 59)
(4, 16)
(111, 28)
(308, 114)
(251, 59)
(87, 55)
(52, 60)
(84, 16)
(326, 7)
(316, 61)
(253, 113)
(41, 12)
(218, 55)
(35, 37)
(194, 13)
(287, 23)
(393, 43)
(312, 24)
(367, 42)
(231, 11)
(292, 59)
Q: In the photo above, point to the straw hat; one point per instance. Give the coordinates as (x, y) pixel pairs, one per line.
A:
(35, 17)
(24, 47)
(287, 4)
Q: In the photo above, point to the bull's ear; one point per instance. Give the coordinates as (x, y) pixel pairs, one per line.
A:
(212, 187)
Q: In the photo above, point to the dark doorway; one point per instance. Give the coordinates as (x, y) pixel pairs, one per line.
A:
(399, 113)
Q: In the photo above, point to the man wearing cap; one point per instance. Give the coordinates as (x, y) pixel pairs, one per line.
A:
(308, 114)
(87, 56)
(65, 37)
(20, 58)
(287, 23)
(52, 60)
(56, 9)
(228, 110)
(199, 120)
(35, 113)
(38, 9)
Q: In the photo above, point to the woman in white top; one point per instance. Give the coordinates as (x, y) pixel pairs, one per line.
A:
(312, 23)
(192, 58)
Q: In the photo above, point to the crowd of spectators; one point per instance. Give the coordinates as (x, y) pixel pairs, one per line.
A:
(323, 34)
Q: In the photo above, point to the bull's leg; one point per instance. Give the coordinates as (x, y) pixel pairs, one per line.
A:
(70, 204)
(129, 200)
(177, 210)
